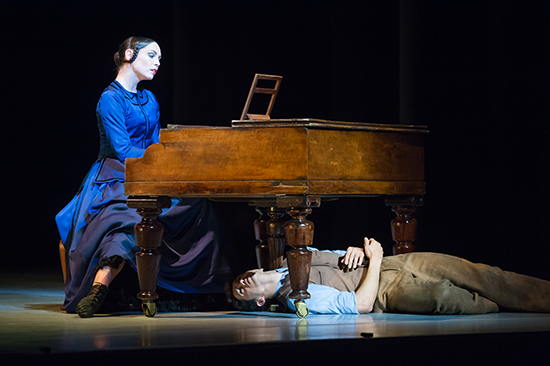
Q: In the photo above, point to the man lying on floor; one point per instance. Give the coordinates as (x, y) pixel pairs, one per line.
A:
(415, 283)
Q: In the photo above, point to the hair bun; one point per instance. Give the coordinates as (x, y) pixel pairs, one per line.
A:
(118, 61)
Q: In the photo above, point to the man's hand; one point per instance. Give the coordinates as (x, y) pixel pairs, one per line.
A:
(366, 293)
(354, 257)
(373, 249)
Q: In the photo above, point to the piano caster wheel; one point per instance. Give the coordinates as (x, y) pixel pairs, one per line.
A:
(301, 309)
(149, 309)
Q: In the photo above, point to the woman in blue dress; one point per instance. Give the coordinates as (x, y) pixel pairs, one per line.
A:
(97, 228)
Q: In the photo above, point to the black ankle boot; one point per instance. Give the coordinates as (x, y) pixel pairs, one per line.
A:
(91, 303)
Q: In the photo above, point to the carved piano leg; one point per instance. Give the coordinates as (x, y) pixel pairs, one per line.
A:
(299, 234)
(260, 232)
(276, 240)
(148, 234)
(403, 226)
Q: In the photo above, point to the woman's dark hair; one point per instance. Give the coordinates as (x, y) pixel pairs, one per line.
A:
(132, 43)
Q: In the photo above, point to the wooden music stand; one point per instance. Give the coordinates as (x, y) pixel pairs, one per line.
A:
(255, 89)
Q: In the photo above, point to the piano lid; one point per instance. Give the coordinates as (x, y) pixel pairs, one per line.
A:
(329, 125)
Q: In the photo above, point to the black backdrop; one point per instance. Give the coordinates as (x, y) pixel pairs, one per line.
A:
(475, 72)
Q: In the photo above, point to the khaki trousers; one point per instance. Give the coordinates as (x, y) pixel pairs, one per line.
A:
(433, 283)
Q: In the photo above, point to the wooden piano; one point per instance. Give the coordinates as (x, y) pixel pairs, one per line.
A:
(283, 166)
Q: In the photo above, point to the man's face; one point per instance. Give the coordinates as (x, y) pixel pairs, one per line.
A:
(248, 285)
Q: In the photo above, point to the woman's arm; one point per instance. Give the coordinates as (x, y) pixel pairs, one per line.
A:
(366, 293)
(110, 113)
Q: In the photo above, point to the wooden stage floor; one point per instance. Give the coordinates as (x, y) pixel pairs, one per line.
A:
(34, 330)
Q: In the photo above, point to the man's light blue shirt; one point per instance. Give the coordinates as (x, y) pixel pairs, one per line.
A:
(324, 299)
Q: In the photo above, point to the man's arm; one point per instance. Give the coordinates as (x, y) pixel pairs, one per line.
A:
(327, 300)
(367, 291)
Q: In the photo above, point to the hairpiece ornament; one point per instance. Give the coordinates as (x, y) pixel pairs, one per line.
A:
(136, 50)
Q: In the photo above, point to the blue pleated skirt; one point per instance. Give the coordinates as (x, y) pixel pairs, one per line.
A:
(97, 223)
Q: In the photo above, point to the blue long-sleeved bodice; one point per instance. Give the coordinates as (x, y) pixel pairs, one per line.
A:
(128, 122)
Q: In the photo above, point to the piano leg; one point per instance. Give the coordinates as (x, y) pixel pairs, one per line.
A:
(276, 240)
(403, 226)
(299, 234)
(148, 234)
(260, 232)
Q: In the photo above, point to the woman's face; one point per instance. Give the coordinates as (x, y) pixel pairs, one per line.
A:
(147, 62)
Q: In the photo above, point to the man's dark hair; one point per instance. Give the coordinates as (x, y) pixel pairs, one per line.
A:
(246, 305)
